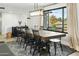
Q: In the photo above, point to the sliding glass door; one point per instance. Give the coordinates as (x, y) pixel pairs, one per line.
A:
(56, 19)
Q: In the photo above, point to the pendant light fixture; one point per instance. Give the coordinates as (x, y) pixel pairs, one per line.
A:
(28, 13)
(36, 11)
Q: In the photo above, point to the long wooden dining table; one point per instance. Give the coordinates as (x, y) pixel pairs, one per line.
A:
(46, 35)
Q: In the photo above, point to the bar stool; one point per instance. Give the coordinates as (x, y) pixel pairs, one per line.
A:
(55, 41)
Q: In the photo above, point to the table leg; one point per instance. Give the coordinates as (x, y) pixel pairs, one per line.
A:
(61, 45)
(55, 47)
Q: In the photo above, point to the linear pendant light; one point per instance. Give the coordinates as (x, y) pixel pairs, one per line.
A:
(36, 11)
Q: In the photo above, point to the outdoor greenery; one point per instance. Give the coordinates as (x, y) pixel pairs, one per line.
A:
(55, 22)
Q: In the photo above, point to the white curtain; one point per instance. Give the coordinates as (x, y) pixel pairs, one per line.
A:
(73, 26)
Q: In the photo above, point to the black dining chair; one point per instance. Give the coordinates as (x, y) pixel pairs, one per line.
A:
(44, 45)
(26, 38)
(40, 44)
(37, 41)
(29, 39)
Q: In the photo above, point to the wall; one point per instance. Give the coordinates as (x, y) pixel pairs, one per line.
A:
(35, 21)
(10, 18)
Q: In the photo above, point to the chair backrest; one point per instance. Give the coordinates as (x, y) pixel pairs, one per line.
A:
(26, 36)
(36, 35)
(36, 32)
(30, 33)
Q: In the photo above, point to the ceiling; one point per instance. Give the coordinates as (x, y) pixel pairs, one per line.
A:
(23, 5)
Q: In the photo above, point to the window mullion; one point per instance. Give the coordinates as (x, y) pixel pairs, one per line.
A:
(62, 19)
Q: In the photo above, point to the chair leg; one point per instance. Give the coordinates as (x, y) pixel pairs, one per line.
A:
(34, 51)
(24, 43)
(61, 47)
(55, 47)
(39, 53)
(30, 49)
(17, 39)
(39, 50)
(20, 41)
(25, 46)
(49, 50)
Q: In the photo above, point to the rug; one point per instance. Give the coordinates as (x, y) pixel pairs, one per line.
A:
(18, 50)
(4, 50)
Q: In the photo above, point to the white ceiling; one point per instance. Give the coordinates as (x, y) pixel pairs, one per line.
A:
(22, 5)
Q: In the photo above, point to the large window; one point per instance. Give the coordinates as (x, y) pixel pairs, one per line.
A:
(56, 19)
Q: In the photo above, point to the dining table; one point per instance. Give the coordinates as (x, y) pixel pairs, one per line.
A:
(46, 35)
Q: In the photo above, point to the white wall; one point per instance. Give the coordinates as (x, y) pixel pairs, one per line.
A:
(10, 18)
(35, 21)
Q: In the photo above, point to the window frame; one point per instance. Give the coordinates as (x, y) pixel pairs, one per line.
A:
(62, 17)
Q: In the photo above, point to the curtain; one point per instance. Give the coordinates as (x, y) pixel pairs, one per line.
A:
(73, 26)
